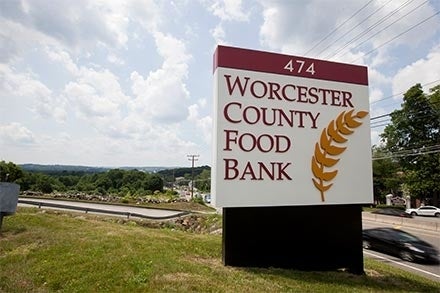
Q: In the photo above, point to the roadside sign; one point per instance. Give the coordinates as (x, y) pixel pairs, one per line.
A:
(289, 131)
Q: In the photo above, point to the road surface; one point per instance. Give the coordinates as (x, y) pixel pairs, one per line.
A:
(431, 271)
(121, 210)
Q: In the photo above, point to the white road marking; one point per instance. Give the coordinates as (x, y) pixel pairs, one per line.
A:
(402, 264)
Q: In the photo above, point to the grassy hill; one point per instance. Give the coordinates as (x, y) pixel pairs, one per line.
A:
(57, 169)
(47, 251)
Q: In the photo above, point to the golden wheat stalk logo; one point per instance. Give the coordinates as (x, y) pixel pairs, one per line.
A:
(326, 151)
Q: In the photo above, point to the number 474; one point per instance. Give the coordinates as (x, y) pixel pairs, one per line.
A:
(299, 66)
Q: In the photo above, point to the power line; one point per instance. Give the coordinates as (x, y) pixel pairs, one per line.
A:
(349, 31)
(406, 155)
(399, 35)
(192, 158)
(383, 19)
(380, 125)
(338, 27)
(389, 97)
(381, 116)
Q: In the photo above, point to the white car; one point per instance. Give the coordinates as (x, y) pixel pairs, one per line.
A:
(424, 211)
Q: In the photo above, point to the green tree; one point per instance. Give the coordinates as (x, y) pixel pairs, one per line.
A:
(153, 182)
(9, 172)
(387, 175)
(413, 138)
(203, 181)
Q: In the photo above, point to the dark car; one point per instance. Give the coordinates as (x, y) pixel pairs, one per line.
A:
(399, 243)
(392, 212)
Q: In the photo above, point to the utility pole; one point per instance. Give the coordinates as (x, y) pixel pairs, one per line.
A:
(192, 158)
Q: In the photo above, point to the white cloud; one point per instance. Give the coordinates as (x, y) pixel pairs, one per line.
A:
(147, 13)
(21, 84)
(96, 96)
(375, 94)
(203, 124)
(421, 71)
(75, 24)
(63, 57)
(193, 111)
(218, 33)
(228, 10)
(162, 95)
(15, 133)
(286, 28)
(26, 86)
(16, 38)
(112, 58)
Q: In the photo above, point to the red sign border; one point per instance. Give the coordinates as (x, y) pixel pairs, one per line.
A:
(260, 61)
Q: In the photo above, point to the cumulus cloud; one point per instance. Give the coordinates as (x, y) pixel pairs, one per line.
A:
(63, 57)
(218, 33)
(15, 133)
(75, 24)
(97, 97)
(228, 9)
(162, 95)
(203, 124)
(285, 28)
(421, 71)
(112, 58)
(25, 85)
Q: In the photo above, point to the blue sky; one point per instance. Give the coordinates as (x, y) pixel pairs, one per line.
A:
(129, 83)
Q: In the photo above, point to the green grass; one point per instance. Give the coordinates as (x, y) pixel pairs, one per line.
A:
(50, 251)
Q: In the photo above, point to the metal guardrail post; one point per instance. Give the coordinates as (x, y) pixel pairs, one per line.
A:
(1, 221)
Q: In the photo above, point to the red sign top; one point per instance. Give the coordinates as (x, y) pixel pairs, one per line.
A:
(237, 58)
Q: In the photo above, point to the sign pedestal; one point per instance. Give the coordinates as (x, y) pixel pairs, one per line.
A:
(316, 238)
(292, 160)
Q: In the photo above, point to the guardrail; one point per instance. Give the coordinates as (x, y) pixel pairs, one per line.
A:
(95, 210)
(405, 222)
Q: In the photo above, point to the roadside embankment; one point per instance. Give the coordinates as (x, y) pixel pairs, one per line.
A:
(430, 224)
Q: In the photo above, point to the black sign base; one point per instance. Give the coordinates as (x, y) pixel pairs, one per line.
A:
(318, 238)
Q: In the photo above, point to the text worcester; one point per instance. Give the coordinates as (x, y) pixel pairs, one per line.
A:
(236, 113)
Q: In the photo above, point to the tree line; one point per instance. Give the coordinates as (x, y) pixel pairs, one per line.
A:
(114, 181)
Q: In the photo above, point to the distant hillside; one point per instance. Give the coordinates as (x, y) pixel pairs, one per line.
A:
(55, 169)
(181, 172)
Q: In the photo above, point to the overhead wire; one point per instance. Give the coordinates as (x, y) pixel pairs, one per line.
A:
(423, 150)
(397, 36)
(338, 27)
(383, 19)
(349, 31)
(389, 97)
(405, 155)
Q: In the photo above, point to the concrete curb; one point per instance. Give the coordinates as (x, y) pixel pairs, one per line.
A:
(404, 222)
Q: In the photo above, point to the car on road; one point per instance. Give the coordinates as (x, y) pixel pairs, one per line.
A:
(392, 212)
(399, 243)
(424, 211)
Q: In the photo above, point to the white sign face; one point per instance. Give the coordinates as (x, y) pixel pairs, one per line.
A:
(289, 131)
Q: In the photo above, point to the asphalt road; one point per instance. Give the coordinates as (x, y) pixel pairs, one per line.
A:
(431, 271)
(123, 210)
